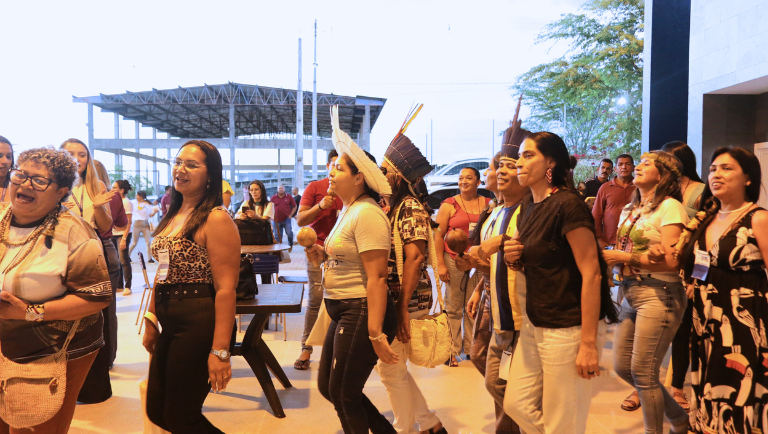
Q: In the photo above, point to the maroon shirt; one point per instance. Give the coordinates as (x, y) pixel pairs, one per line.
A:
(119, 217)
(283, 207)
(326, 219)
(165, 202)
(610, 200)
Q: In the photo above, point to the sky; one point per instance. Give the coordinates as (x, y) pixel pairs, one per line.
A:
(456, 57)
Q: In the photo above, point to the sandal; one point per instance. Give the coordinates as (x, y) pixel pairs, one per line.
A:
(631, 403)
(682, 400)
(452, 362)
(301, 365)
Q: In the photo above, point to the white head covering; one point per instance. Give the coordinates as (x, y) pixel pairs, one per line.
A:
(346, 146)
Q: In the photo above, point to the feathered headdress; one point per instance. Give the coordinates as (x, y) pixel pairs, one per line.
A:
(404, 156)
(514, 136)
(346, 146)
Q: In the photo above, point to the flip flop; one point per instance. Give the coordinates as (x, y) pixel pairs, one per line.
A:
(682, 400)
(301, 365)
(630, 404)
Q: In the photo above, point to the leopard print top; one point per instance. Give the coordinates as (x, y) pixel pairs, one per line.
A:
(189, 261)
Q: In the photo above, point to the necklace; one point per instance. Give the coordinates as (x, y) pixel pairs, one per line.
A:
(463, 205)
(5, 225)
(747, 205)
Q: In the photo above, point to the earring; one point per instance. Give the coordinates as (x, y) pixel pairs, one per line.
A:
(548, 175)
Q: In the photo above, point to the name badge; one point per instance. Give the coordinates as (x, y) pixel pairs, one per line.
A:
(162, 270)
(504, 364)
(472, 227)
(701, 265)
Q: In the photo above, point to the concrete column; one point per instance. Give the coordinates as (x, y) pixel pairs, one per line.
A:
(232, 144)
(117, 152)
(138, 151)
(170, 171)
(90, 125)
(155, 175)
(298, 170)
(366, 139)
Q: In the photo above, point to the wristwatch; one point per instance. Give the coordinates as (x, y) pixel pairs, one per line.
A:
(221, 354)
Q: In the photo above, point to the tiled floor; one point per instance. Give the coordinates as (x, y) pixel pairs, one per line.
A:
(456, 394)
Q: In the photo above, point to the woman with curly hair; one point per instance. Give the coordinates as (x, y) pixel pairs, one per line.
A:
(653, 296)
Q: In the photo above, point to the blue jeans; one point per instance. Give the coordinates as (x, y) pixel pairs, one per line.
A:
(347, 361)
(284, 225)
(650, 316)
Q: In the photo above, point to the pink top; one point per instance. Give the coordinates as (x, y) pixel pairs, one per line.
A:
(461, 220)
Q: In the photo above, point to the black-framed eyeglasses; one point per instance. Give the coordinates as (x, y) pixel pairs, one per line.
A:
(39, 183)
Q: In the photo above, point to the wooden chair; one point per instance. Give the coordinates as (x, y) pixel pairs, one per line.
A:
(147, 287)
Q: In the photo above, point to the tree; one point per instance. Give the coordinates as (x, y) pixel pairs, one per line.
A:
(137, 181)
(595, 89)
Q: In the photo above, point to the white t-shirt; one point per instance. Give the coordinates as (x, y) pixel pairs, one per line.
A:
(142, 210)
(128, 205)
(361, 227)
(647, 232)
(262, 211)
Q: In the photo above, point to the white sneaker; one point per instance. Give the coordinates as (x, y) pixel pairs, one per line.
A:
(127, 291)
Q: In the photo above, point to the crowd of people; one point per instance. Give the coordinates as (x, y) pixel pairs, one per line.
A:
(668, 258)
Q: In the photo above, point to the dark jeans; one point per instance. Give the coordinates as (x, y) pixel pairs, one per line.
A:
(347, 361)
(284, 225)
(126, 273)
(681, 354)
(178, 373)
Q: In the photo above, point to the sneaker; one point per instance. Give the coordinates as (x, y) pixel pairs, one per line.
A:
(127, 291)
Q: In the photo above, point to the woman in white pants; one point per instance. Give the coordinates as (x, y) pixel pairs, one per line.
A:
(141, 214)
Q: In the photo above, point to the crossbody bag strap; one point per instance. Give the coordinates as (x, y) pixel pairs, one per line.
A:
(70, 336)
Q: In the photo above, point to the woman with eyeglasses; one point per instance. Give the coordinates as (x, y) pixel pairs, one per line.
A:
(6, 164)
(653, 296)
(257, 207)
(55, 280)
(90, 200)
(198, 248)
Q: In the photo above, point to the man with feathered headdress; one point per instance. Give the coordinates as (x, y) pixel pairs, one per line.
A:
(412, 250)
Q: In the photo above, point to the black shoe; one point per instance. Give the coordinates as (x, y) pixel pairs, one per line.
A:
(151, 261)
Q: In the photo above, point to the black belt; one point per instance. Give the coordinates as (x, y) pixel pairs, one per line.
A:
(168, 291)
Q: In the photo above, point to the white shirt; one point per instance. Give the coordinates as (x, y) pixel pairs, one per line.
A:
(142, 211)
(128, 211)
(261, 211)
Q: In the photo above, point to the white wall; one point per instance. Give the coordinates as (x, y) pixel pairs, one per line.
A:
(729, 46)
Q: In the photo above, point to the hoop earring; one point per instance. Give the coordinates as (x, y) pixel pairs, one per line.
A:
(548, 176)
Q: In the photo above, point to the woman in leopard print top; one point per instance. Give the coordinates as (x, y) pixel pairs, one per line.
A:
(194, 295)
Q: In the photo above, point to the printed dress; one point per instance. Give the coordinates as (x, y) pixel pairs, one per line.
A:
(729, 346)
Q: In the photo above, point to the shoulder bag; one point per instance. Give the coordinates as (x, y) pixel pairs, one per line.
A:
(255, 232)
(32, 393)
(247, 289)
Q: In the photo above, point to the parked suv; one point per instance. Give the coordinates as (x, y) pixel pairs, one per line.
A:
(449, 174)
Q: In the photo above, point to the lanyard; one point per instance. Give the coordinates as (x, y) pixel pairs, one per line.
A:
(81, 202)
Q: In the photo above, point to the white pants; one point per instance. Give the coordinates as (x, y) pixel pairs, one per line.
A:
(545, 394)
(408, 404)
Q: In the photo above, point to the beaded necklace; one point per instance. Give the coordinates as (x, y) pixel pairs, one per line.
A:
(5, 225)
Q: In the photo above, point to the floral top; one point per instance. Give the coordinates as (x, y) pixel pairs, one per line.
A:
(639, 230)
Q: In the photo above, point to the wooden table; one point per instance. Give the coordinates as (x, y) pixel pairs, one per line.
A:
(272, 298)
(268, 248)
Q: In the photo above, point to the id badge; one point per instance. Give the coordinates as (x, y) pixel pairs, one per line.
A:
(162, 270)
(472, 227)
(701, 265)
(505, 364)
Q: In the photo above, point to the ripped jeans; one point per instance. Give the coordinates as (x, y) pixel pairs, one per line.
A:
(347, 361)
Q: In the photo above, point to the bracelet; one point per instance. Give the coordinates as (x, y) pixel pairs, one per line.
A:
(320, 206)
(634, 260)
(379, 337)
(152, 318)
(35, 312)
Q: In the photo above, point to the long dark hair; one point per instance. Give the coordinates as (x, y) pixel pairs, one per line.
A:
(124, 185)
(13, 160)
(670, 170)
(475, 236)
(368, 190)
(684, 153)
(750, 165)
(552, 146)
(264, 201)
(211, 198)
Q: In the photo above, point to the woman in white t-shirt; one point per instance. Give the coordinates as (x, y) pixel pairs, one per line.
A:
(258, 205)
(363, 316)
(653, 295)
(143, 211)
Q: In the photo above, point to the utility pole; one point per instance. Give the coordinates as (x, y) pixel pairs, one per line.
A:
(431, 143)
(493, 133)
(314, 112)
(298, 171)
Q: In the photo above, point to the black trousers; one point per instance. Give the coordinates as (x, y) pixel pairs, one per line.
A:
(178, 373)
(681, 354)
(347, 361)
(126, 272)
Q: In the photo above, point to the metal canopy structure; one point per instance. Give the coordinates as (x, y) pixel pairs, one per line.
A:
(203, 111)
(238, 116)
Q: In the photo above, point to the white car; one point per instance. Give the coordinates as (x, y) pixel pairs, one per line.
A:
(449, 174)
(442, 192)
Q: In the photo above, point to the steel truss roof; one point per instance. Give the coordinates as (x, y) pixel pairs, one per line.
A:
(203, 111)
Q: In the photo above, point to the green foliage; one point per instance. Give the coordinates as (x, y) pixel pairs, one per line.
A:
(604, 63)
(137, 181)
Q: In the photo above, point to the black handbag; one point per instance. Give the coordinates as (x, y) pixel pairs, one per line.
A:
(247, 289)
(255, 232)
